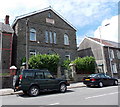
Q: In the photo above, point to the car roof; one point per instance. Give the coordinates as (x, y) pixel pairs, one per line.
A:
(35, 70)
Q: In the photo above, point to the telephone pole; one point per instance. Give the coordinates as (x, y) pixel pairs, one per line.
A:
(27, 34)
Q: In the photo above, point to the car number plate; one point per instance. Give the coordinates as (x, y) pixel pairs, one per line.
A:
(87, 79)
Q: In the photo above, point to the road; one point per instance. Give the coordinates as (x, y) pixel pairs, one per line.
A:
(74, 96)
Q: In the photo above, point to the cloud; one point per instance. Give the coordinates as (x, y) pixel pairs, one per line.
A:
(78, 12)
(109, 32)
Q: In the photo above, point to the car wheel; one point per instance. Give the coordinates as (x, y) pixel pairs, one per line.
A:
(88, 85)
(115, 82)
(34, 91)
(100, 84)
(62, 88)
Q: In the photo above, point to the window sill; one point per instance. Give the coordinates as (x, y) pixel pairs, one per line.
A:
(32, 41)
(66, 45)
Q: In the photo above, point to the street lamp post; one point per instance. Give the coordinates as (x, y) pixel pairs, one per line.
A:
(102, 49)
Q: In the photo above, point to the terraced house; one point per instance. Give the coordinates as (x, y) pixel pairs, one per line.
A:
(45, 32)
(106, 53)
(6, 34)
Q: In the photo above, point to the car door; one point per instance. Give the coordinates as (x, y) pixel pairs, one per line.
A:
(109, 80)
(40, 80)
(103, 79)
(51, 83)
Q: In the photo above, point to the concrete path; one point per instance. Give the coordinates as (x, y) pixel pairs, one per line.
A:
(10, 91)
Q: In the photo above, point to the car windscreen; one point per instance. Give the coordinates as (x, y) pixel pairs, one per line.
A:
(92, 75)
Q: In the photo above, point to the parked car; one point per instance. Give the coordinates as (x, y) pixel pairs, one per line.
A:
(32, 81)
(100, 80)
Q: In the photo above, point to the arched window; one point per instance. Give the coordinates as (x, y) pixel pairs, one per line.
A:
(46, 36)
(66, 39)
(54, 37)
(32, 34)
(51, 38)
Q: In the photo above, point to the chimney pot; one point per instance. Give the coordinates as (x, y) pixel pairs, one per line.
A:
(7, 19)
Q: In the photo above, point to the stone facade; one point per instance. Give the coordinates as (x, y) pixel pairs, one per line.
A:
(108, 61)
(45, 20)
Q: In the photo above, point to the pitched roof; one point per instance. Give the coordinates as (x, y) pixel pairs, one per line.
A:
(39, 11)
(106, 42)
(5, 28)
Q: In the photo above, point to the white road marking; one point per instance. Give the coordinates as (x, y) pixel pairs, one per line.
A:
(55, 104)
(102, 95)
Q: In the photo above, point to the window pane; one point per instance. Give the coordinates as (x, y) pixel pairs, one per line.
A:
(32, 35)
(55, 37)
(39, 75)
(67, 57)
(66, 40)
(46, 36)
(51, 40)
(48, 75)
(32, 52)
(118, 54)
(114, 68)
(111, 54)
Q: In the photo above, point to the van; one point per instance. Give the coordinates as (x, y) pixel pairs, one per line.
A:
(32, 81)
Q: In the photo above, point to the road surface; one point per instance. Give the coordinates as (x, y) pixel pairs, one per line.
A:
(74, 96)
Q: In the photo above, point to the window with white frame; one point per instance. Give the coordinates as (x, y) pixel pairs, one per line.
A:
(51, 39)
(114, 68)
(118, 54)
(54, 37)
(67, 57)
(32, 52)
(32, 34)
(66, 39)
(46, 37)
(111, 54)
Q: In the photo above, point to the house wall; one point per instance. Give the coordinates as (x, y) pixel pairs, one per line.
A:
(38, 22)
(110, 61)
(6, 52)
(90, 48)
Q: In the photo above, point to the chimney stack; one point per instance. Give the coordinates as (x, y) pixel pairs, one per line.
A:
(7, 19)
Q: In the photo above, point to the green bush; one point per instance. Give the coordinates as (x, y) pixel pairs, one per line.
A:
(85, 65)
(65, 64)
(44, 61)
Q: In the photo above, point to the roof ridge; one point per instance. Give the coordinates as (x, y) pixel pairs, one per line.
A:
(105, 42)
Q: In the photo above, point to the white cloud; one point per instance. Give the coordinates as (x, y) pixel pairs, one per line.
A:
(78, 12)
(109, 32)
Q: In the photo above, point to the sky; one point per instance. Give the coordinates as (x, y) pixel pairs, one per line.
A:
(89, 17)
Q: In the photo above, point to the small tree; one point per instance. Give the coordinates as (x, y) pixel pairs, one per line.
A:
(44, 61)
(65, 64)
(85, 65)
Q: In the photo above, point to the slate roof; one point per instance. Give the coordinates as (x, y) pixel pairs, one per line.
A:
(106, 42)
(39, 11)
(6, 28)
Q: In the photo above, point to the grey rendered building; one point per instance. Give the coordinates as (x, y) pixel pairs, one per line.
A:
(45, 32)
(6, 34)
(106, 53)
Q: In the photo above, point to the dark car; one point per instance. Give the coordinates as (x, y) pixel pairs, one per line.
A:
(100, 80)
(32, 81)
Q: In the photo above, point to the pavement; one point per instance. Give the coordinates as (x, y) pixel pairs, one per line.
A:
(9, 91)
